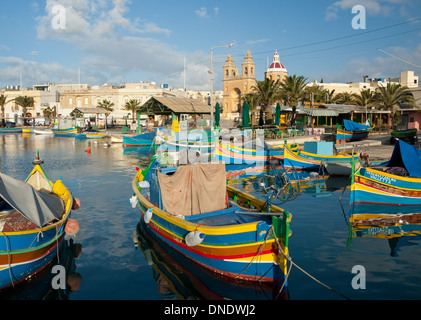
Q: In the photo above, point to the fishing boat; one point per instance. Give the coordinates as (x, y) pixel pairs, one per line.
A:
(115, 139)
(185, 280)
(250, 152)
(301, 160)
(67, 132)
(395, 183)
(404, 134)
(46, 132)
(30, 131)
(189, 210)
(142, 140)
(34, 219)
(90, 136)
(353, 131)
(10, 130)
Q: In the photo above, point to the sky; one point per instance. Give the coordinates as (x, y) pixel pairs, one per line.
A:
(169, 42)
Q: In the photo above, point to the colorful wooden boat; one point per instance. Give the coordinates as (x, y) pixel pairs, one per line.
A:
(396, 183)
(30, 131)
(46, 132)
(10, 130)
(33, 218)
(142, 140)
(221, 236)
(185, 280)
(404, 134)
(248, 153)
(115, 139)
(352, 131)
(67, 132)
(301, 160)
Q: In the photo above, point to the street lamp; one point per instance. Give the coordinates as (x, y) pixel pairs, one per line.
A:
(211, 83)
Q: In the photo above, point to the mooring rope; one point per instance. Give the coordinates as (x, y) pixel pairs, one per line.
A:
(301, 269)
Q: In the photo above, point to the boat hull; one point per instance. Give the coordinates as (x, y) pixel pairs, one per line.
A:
(26, 252)
(357, 135)
(68, 132)
(10, 130)
(374, 187)
(310, 161)
(236, 155)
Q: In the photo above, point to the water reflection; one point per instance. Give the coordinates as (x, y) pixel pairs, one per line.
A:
(396, 224)
(39, 286)
(178, 278)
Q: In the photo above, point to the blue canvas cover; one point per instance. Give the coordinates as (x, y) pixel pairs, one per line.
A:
(146, 136)
(407, 156)
(353, 126)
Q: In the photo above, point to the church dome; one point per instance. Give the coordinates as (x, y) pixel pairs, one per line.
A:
(276, 65)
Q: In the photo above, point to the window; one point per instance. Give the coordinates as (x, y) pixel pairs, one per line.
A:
(71, 101)
(411, 119)
(86, 101)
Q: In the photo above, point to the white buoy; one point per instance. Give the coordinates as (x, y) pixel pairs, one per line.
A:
(144, 184)
(148, 216)
(194, 238)
(133, 201)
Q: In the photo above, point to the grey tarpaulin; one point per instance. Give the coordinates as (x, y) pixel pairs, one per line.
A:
(39, 207)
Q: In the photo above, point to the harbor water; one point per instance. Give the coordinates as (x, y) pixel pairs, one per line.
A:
(114, 265)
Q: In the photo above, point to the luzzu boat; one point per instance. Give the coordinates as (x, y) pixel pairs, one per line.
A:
(229, 238)
(34, 217)
(396, 183)
(10, 130)
(301, 160)
(352, 131)
(251, 152)
(142, 140)
(409, 134)
(66, 132)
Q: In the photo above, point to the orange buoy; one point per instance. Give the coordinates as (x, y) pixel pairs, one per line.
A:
(88, 150)
(72, 227)
(76, 204)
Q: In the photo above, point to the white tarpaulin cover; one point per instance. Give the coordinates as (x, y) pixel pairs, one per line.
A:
(39, 207)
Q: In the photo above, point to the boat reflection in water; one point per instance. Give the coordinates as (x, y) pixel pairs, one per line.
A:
(180, 279)
(39, 286)
(396, 224)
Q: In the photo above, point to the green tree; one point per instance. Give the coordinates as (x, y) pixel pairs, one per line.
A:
(343, 98)
(392, 97)
(364, 99)
(3, 102)
(132, 106)
(25, 102)
(108, 106)
(293, 90)
(267, 92)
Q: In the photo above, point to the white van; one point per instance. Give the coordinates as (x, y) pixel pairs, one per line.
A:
(39, 121)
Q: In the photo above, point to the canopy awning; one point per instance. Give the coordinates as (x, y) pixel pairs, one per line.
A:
(91, 110)
(37, 206)
(168, 106)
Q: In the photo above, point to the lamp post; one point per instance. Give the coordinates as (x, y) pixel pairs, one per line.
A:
(211, 83)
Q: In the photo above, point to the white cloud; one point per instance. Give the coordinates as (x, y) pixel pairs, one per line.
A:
(115, 44)
(202, 12)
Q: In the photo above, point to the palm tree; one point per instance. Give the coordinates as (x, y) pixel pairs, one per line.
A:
(293, 90)
(132, 106)
(392, 96)
(25, 102)
(3, 99)
(343, 98)
(267, 92)
(364, 99)
(108, 106)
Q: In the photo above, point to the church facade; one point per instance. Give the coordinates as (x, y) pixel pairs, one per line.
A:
(236, 85)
